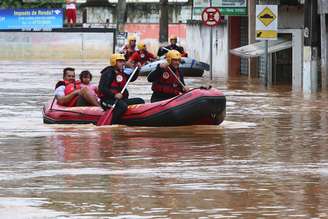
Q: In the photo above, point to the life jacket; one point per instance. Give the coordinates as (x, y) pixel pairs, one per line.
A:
(179, 49)
(118, 83)
(128, 52)
(167, 83)
(69, 88)
(144, 57)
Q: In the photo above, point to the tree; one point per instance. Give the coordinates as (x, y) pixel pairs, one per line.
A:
(29, 4)
(163, 21)
(120, 15)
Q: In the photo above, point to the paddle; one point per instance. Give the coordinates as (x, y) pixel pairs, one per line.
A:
(107, 117)
(176, 77)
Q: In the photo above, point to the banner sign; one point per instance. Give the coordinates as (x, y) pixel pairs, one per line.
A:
(31, 19)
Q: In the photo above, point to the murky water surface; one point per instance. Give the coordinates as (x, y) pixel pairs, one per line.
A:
(269, 159)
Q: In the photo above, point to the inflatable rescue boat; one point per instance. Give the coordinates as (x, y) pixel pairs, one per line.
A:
(189, 67)
(201, 106)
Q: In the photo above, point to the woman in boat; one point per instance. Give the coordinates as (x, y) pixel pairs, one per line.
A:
(167, 80)
(113, 79)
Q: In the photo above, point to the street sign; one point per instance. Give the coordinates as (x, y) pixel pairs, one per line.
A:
(266, 22)
(211, 16)
(220, 3)
(226, 7)
(229, 3)
(266, 16)
(231, 11)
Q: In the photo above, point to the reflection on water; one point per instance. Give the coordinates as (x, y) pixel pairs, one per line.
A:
(267, 160)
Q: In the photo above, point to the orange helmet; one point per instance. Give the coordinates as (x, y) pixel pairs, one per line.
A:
(141, 46)
(173, 54)
(115, 57)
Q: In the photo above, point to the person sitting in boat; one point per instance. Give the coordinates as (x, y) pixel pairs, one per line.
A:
(167, 80)
(173, 46)
(140, 57)
(112, 80)
(69, 92)
(129, 48)
(85, 78)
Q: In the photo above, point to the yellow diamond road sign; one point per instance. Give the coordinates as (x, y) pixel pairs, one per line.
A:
(266, 16)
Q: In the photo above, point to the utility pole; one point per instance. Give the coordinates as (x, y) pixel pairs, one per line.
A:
(164, 21)
(311, 42)
(120, 15)
(323, 10)
(252, 66)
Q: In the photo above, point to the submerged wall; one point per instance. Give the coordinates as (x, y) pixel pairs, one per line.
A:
(55, 45)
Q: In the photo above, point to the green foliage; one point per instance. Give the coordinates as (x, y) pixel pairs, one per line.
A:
(27, 4)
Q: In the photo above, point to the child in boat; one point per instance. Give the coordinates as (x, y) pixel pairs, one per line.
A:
(68, 92)
(85, 78)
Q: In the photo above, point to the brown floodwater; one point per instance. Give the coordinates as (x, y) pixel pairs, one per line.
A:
(268, 159)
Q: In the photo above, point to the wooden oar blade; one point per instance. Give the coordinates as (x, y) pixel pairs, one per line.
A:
(107, 118)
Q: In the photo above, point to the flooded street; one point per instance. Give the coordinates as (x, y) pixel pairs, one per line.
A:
(268, 159)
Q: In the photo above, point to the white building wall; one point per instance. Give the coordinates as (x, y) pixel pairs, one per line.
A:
(198, 47)
(139, 13)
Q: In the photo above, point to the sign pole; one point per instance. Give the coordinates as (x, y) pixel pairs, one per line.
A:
(211, 53)
(211, 49)
(266, 61)
(211, 17)
(266, 29)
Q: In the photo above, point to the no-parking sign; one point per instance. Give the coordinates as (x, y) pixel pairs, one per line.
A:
(211, 16)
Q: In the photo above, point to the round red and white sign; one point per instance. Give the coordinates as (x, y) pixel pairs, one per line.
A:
(211, 16)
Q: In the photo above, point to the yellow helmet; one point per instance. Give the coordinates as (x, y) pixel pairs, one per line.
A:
(173, 37)
(172, 54)
(141, 46)
(114, 57)
(131, 37)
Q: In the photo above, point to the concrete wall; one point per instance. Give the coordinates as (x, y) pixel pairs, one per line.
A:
(291, 17)
(198, 46)
(55, 45)
(149, 34)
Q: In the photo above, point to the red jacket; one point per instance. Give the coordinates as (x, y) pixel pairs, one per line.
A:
(128, 51)
(69, 88)
(142, 57)
(112, 82)
(165, 82)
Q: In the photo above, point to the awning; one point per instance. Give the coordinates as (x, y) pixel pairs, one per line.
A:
(257, 49)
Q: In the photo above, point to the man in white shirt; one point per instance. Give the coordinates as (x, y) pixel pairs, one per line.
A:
(69, 93)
